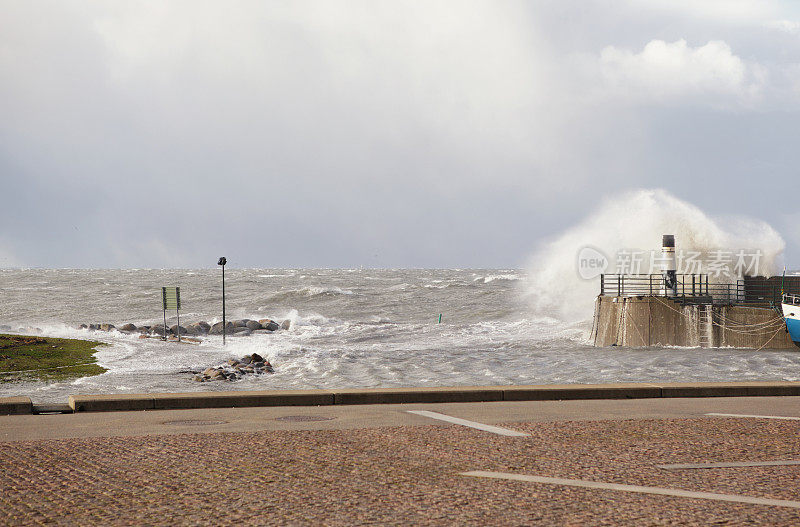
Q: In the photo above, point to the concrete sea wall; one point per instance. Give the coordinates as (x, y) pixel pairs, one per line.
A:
(659, 321)
(445, 394)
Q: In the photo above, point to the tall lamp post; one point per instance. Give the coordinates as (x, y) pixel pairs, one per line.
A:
(222, 261)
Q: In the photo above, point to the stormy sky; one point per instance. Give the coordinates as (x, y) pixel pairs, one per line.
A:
(381, 134)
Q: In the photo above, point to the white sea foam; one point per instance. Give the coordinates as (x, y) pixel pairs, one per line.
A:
(492, 277)
(320, 290)
(636, 221)
(487, 334)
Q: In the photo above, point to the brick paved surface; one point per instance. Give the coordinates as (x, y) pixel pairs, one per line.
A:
(402, 476)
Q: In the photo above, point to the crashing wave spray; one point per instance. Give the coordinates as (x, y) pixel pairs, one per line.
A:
(636, 221)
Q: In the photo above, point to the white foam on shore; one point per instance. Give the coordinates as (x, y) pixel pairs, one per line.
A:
(378, 337)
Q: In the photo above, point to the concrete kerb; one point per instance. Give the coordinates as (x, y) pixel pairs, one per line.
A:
(457, 394)
(176, 401)
(16, 406)
(556, 392)
(111, 403)
(735, 389)
(165, 401)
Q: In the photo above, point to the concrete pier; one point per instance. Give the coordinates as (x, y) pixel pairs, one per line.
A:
(659, 321)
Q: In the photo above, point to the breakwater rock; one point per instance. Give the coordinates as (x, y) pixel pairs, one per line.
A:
(235, 328)
(235, 369)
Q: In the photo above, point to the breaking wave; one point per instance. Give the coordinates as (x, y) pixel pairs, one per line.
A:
(635, 221)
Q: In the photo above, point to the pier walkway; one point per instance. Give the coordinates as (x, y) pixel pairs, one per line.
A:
(630, 462)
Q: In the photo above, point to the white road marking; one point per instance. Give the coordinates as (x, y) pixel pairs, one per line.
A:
(757, 416)
(634, 488)
(731, 465)
(471, 424)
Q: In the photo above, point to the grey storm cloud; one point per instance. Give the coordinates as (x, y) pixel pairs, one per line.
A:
(391, 134)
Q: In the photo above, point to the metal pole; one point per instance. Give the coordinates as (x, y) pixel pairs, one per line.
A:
(165, 322)
(178, 311)
(224, 328)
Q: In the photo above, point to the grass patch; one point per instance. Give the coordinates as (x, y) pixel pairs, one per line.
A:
(54, 359)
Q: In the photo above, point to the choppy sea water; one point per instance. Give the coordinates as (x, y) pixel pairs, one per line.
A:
(350, 328)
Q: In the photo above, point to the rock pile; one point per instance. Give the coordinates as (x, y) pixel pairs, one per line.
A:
(236, 328)
(234, 370)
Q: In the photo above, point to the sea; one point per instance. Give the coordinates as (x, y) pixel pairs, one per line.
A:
(349, 328)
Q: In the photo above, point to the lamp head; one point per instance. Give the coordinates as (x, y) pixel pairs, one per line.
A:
(222, 261)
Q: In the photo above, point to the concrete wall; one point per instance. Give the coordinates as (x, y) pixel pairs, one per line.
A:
(644, 321)
(552, 392)
(732, 334)
(606, 321)
(658, 321)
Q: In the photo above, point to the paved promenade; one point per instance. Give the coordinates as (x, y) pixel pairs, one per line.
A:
(382, 464)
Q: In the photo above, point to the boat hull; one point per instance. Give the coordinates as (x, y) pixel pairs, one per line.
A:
(791, 314)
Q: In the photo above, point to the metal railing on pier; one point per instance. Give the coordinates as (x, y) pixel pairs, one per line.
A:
(653, 284)
(695, 289)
